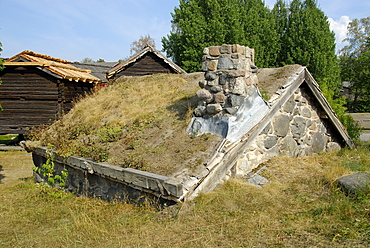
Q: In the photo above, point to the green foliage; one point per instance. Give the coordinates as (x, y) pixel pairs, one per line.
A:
(307, 40)
(197, 24)
(355, 64)
(47, 170)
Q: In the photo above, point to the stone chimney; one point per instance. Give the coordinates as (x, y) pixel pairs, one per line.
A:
(229, 79)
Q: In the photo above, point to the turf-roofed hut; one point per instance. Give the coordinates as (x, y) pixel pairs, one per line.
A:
(146, 62)
(37, 89)
(233, 131)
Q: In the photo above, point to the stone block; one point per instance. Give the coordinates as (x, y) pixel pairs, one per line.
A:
(215, 89)
(355, 183)
(281, 125)
(204, 94)
(214, 51)
(206, 51)
(237, 86)
(226, 49)
(222, 79)
(238, 49)
(225, 63)
(289, 146)
(289, 105)
(241, 64)
(210, 75)
(235, 100)
(214, 108)
(231, 110)
(202, 83)
(236, 56)
(333, 147)
(219, 97)
(306, 112)
(212, 65)
(298, 127)
(200, 111)
(319, 141)
(236, 73)
(270, 141)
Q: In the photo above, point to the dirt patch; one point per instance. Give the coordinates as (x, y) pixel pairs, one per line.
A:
(15, 165)
(271, 79)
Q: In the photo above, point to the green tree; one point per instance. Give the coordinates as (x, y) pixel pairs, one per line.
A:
(197, 24)
(355, 64)
(310, 42)
(280, 13)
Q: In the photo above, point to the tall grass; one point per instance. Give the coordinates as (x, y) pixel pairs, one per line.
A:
(301, 206)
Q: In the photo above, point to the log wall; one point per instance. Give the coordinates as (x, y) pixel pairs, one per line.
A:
(147, 65)
(30, 97)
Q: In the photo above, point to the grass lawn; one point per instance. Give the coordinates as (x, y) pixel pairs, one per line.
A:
(299, 207)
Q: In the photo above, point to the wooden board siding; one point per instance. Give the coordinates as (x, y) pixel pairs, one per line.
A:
(72, 91)
(146, 65)
(31, 97)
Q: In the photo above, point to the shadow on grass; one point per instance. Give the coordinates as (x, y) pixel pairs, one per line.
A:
(1, 175)
(182, 106)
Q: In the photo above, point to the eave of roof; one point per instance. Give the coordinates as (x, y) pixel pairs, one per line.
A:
(54, 66)
(140, 54)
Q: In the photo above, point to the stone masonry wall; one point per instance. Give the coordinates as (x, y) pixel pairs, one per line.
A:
(298, 129)
(228, 79)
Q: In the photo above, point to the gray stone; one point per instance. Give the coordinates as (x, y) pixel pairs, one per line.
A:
(200, 111)
(298, 127)
(281, 125)
(210, 75)
(254, 69)
(237, 73)
(232, 110)
(215, 89)
(204, 94)
(306, 112)
(266, 129)
(202, 83)
(222, 80)
(237, 86)
(225, 63)
(333, 147)
(236, 100)
(289, 105)
(226, 49)
(257, 181)
(319, 141)
(214, 108)
(355, 183)
(270, 141)
(219, 97)
(289, 146)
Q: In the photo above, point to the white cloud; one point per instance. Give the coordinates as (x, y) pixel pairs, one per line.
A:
(339, 27)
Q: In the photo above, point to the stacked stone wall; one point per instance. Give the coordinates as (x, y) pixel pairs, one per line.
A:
(228, 79)
(300, 128)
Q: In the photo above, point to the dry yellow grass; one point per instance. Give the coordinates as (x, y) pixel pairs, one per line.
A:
(137, 122)
(300, 207)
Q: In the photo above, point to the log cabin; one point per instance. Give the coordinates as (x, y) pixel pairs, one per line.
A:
(146, 62)
(37, 89)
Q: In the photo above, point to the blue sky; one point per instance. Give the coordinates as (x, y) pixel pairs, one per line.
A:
(77, 29)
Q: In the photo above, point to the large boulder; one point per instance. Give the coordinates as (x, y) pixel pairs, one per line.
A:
(355, 183)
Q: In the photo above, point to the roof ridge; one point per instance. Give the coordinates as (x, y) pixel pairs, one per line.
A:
(39, 55)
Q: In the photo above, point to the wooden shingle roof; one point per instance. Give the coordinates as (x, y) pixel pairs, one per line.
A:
(139, 55)
(57, 67)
